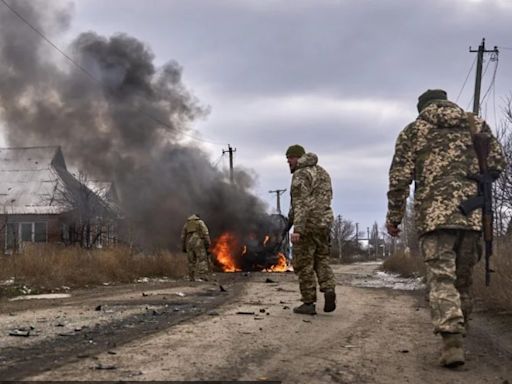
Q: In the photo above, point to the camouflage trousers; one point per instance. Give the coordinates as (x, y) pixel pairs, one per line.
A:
(198, 265)
(310, 258)
(450, 256)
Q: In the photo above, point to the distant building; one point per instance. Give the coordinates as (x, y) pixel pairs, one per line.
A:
(40, 201)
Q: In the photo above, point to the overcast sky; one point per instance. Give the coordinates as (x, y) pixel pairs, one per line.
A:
(339, 77)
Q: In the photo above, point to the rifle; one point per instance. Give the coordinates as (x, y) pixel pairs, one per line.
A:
(483, 200)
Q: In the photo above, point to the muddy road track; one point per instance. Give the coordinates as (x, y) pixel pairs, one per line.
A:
(183, 331)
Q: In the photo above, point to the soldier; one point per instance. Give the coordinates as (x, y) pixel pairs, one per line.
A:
(195, 241)
(312, 217)
(436, 152)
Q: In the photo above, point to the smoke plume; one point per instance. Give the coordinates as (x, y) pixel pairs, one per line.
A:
(123, 122)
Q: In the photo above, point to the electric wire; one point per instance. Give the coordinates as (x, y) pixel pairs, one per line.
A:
(493, 80)
(218, 160)
(466, 80)
(91, 77)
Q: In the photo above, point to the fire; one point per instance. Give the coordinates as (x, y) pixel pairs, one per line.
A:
(281, 265)
(222, 252)
(232, 256)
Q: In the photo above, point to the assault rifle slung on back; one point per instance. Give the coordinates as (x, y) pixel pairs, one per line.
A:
(483, 200)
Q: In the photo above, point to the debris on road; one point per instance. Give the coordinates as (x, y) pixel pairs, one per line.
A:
(222, 289)
(251, 313)
(180, 294)
(98, 308)
(105, 366)
(21, 332)
(269, 280)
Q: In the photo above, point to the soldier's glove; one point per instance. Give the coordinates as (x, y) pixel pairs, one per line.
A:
(495, 175)
(392, 229)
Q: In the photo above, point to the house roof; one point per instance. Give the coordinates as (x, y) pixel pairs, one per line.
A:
(29, 180)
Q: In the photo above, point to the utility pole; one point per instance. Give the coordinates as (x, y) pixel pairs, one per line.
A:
(478, 80)
(278, 193)
(368, 237)
(230, 150)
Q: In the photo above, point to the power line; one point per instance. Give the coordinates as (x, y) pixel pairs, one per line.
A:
(218, 160)
(91, 77)
(466, 80)
(493, 80)
(50, 42)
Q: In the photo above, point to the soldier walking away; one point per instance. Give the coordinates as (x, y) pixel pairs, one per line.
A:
(311, 216)
(436, 152)
(195, 241)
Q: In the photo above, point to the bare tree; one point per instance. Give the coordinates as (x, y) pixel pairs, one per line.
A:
(343, 237)
(409, 235)
(88, 214)
(503, 186)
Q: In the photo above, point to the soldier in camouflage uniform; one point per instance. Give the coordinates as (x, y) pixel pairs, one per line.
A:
(195, 240)
(436, 152)
(312, 217)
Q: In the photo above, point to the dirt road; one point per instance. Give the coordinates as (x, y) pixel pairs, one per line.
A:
(183, 331)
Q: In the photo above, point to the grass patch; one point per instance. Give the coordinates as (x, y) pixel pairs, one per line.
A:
(48, 267)
(404, 264)
(499, 294)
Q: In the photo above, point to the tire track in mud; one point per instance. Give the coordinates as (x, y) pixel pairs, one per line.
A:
(17, 363)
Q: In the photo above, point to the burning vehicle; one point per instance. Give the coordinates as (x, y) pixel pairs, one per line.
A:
(266, 249)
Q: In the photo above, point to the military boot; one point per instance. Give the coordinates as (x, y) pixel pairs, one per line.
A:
(330, 300)
(305, 309)
(453, 353)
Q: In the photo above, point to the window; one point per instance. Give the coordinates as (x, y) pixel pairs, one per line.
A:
(26, 231)
(40, 232)
(11, 235)
(16, 233)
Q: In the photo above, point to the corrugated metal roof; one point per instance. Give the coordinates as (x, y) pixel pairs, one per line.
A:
(30, 181)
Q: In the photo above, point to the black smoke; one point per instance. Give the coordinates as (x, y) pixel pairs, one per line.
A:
(121, 119)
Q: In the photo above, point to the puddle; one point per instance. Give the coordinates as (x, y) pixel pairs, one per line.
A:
(43, 296)
(380, 279)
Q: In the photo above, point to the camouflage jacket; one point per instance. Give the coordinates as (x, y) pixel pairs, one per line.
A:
(436, 152)
(311, 195)
(195, 225)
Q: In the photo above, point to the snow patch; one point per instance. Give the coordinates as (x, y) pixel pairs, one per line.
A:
(381, 279)
(42, 296)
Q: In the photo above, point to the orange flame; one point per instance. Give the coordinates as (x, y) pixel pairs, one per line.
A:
(222, 252)
(281, 265)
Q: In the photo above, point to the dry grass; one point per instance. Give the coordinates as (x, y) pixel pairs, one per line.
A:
(405, 264)
(499, 294)
(47, 267)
